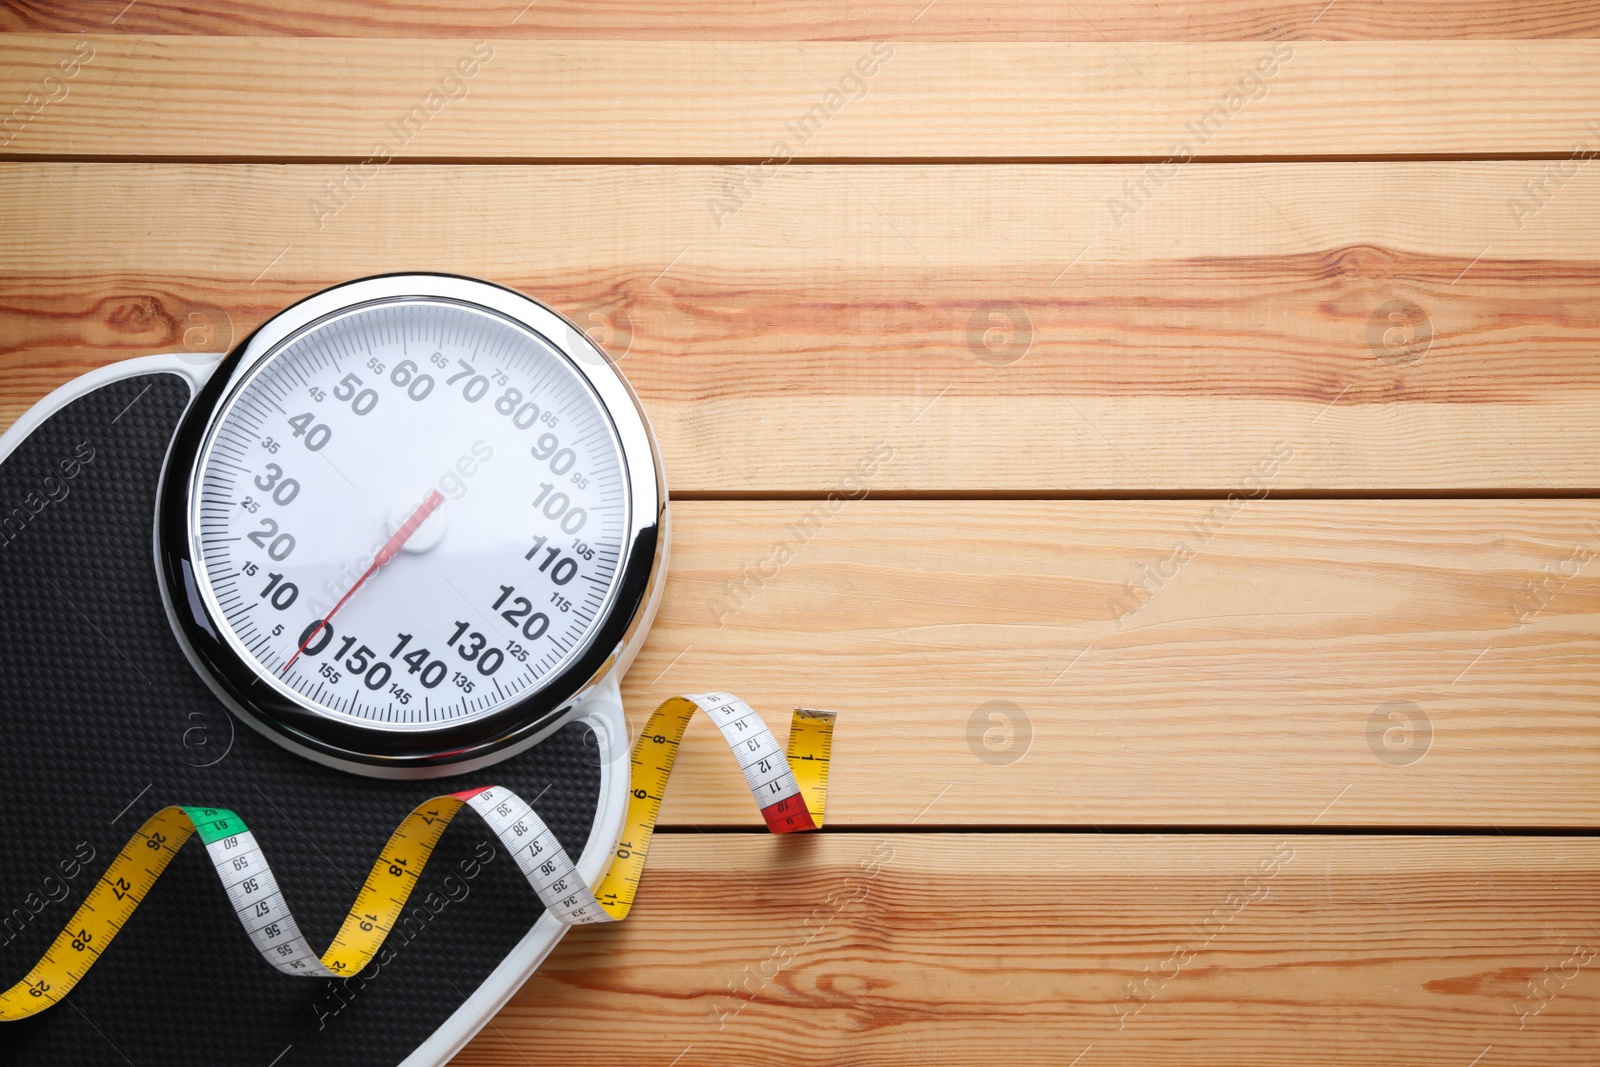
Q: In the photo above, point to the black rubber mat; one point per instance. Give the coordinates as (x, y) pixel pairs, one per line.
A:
(104, 722)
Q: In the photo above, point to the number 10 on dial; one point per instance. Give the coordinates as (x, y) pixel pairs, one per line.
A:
(409, 521)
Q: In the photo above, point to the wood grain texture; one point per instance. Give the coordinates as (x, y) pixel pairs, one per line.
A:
(1000, 326)
(151, 96)
(1059, 663)
(820, 20)
(1282, 325)
(1025, 950)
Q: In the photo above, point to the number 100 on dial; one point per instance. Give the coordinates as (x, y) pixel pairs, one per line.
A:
(410, 525)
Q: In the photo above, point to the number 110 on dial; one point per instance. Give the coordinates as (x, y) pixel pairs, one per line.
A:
(410, 515)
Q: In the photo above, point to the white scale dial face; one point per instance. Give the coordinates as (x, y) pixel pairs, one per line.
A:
(410, 515)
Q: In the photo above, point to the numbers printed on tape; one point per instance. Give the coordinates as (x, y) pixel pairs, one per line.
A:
(790, 788)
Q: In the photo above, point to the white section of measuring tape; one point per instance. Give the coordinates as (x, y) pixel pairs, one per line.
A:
(260, 905)
(546, 865)
(765, 769)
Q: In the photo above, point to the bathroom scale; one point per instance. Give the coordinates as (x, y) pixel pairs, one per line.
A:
(302, 601)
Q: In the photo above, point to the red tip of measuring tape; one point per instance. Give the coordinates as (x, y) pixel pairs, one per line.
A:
(468, 794)
(788, 816)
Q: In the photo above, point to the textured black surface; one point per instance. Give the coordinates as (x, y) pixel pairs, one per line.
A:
(104, 722)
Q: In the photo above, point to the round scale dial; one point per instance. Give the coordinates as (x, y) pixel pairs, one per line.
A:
(407, 521)
(414, 410)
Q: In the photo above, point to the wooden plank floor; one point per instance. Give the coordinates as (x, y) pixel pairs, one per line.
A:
(1181, 424)
(940, 308)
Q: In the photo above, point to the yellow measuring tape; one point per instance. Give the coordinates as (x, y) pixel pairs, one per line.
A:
(790, 787)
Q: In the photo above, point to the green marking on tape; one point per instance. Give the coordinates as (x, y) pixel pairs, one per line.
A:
(213, 824)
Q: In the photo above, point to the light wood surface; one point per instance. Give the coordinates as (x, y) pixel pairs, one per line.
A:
(822, 20)
(1241, 687)
(1021, 950)
(1035, 360)
(1242, 305)
(688, 100)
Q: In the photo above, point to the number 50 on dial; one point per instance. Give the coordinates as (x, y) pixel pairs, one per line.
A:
(409, 522)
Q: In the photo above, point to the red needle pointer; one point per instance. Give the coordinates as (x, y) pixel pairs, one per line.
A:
(389, 550)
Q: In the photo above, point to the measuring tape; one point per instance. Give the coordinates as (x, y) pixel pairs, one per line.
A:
(790, 788)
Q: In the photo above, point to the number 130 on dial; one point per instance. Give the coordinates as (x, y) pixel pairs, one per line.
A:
(409, 522)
